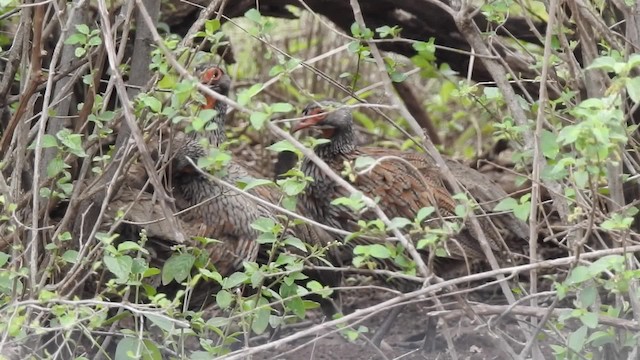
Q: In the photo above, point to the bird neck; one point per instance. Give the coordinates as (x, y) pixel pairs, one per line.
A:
(342, 142)
(215, 136)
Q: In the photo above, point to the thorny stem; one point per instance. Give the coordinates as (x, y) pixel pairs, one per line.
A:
(241, 354)
(537, 166)
(129, 117)
(36, 73)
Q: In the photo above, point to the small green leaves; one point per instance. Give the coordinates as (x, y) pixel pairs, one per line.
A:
(134, 348)
(258, 119)
(386, 31)
(253, 15)
(633, 89)
(151, 102)
(264, 225)
(261, 317)
(234, 280)
(48, 141)
(361, 32)
(120, 266)
(73, 142)
(281, 107)
(85, 38)
(549, 144)
(177, 268)
(520, 209)
(378, 251)
(577, 339)
(424, 213)
(283, 145)
(70, 256)
(363, 162)
(211, 26)
(245, 96)
(224, 299)
(354, 201)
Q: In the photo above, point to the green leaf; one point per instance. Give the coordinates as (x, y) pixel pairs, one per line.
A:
(94, 41)
(589, 319)
(292, 186)
(578, 275)
(587, 296)
(83, 29)
(211, 26)
(296, 243)
(600, 338)
(224, 299)
(258, 119)
(55, 167)
(522, 211)
(152, 103)
(75, 39)
(161, 322)
(48, 141)
(603, 62)
(177, 268)
(211, 275)
(246, 95)
(263, 224)
(234, 280)
(252, 183)
(379, 251)
(633, 89)
(150, 272)
(70, 256)
(424, 213)
(296, 305)
(253, 15)
(79, 52)
(506, 204)
(398, 76)
(133, 348)
(399, 223)
(577, 339)
(283, 145)
(3, 258)
(364, 162)
(72, 141)
(281, 107)
(261, 319)
(549, 144)
(130, 245)
(421, 46)
(581, 177)
(120, 266)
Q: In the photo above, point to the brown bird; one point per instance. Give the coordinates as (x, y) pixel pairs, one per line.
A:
(402, 182)
(228, 214)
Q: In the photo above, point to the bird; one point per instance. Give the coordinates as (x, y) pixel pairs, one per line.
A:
(402, 182)
(228, 214)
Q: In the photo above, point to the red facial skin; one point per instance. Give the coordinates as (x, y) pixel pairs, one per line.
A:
(210, 76)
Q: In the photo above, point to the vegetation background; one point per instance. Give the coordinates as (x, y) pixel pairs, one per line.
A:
(542, 96)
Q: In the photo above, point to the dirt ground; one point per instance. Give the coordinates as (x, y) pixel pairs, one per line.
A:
(411, 336)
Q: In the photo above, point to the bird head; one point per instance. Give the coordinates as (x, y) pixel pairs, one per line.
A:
(327, 116)
(217, 81)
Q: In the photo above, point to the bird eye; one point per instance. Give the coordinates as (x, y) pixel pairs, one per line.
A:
(211, 75)
(315, 110)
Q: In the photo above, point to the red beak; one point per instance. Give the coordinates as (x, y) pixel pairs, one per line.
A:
(308, 122)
